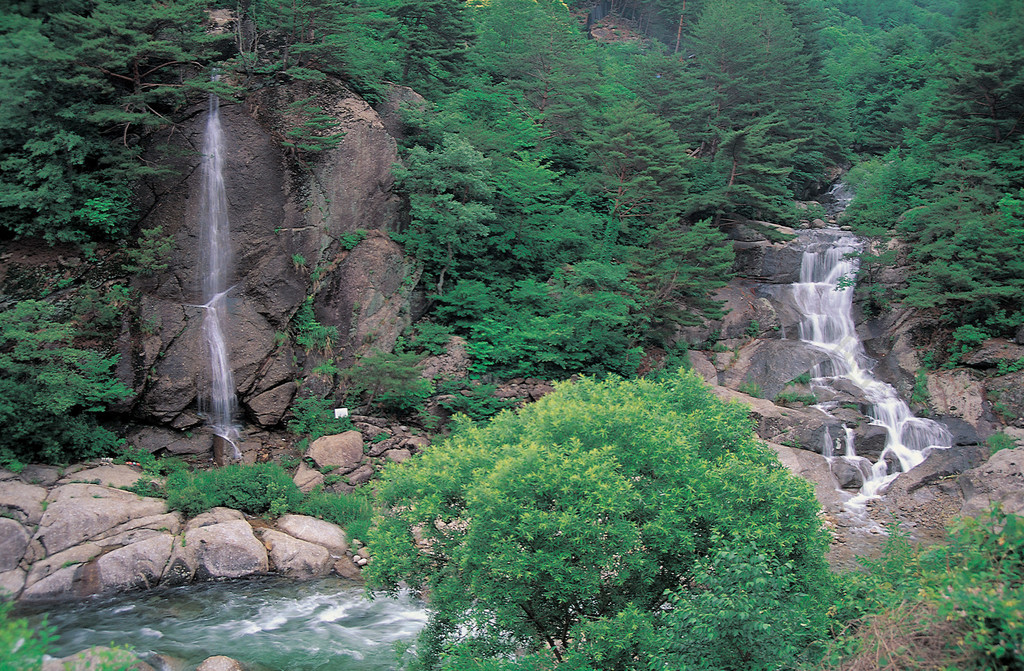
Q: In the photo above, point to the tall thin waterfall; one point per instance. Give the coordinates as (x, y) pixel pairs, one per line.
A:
(218, 402)
(827, 323)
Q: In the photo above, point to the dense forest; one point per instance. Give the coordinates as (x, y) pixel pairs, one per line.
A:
(569, 201)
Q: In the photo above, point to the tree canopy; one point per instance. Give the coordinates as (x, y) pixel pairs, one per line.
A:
(604, 500)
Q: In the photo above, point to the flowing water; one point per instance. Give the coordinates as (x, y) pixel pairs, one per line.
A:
(268, 624)
(217, 402)
(824, 298)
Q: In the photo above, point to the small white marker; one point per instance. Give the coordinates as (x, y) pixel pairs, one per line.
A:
(340, 412)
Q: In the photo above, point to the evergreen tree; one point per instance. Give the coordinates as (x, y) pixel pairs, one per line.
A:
(435, 36)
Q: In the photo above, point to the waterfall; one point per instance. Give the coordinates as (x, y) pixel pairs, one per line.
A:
(218, 402)
(824, 298)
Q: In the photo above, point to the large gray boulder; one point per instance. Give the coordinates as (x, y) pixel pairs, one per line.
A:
(139, 565)
(23, 502)
(223, 550)
(310, 529)
(296, 558)
(343, 450)
(1000, 479)
(14, 539)
(80, 512)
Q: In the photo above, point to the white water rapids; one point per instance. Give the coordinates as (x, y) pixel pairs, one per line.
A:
(218, 402)
(826, 307)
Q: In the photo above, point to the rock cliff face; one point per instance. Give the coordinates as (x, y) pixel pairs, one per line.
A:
(303, 227)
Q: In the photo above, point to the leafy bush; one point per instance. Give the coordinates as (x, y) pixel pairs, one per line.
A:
(313, 417)
(1000, 441)
(792, 396)
(392, 383)
(259, 489)
(475, 400)
(432, 338)
(553, 522)
(51, 392)
(947, 606)
(22, 646)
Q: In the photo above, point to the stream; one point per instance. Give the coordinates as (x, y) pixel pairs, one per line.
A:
(268, 624)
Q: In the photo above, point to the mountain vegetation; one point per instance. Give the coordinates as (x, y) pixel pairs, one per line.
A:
(569, 202)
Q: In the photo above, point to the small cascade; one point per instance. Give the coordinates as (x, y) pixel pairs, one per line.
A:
(217, 403)
(824, 298)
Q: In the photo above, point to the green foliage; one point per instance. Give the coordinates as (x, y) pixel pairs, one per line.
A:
(476, 401)
(965, 339)
(22, 646)
(348, 241)
(150, 255)
(82, 84)
(312, 130)
(257, 489)
(431, 338)
(1000, 441)
(968, 593)
(563, 526)
(51, 392)
(352, 512)
(751, 388)
(313, 417)
(789, 396)
(310, 333)
(743, 611)
(391, 383)
(919, 394)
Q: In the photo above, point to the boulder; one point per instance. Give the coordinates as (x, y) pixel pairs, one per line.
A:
(307, 479)
(347, 568)
(22, 501)
(296, 558)
(133, 566)
(97, 659)
(79, 512)
(144, 528)
(361, 475)
(224, 550)
(118, 476)
(269, 407)
(220, 663)
(153, 439)
(869, 440)
(11, 583)
(213, 516)
(398, 456)
(312, 530)
(1000, 479)
(55, 586)
(72, 557)
(849, 472)
(343, 450)
(771, 364)
(14, 539)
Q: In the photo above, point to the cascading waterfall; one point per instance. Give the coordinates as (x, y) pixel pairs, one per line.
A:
(825, 299)
(218, 402)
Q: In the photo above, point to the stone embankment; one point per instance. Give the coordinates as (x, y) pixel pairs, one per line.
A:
(77, 533)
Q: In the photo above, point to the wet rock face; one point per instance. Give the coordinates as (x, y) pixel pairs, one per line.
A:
(292, 221)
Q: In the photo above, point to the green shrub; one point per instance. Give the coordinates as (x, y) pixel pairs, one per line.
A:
(259, 489)
(432, 338)
(51, 391)
(352, 512)
(1000, 441)
(22, 646)
(751, 388)
(391, 383)
(791, 396)
(475, 400)
(313, 417)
